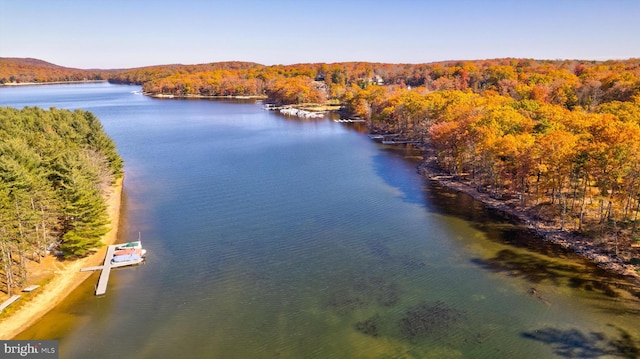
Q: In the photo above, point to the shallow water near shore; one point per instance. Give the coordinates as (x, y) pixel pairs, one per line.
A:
(270, 236)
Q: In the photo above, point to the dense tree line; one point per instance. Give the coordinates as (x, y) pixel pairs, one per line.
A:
(55, 168)
(569, 83)
(19, 70)
(578, 167)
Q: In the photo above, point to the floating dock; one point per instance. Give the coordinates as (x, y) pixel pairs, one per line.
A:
(101, 288)
(31, 288)
(399, 142)
(348, 120)
(392, 139)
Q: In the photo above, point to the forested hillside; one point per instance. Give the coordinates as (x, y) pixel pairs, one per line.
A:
(565, 83)
(19, 70)
(570, 83)
(560, 137)
(561, 140)
(55, 166)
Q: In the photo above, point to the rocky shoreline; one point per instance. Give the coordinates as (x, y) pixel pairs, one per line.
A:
(569, 240)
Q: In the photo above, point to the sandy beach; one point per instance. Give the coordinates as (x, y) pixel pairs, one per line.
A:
(66, 277)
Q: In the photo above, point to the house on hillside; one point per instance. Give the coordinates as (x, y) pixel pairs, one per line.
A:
(376, 80)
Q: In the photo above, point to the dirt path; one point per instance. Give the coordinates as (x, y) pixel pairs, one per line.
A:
(66, 277)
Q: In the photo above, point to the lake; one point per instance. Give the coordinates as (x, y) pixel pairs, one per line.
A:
(276, 237)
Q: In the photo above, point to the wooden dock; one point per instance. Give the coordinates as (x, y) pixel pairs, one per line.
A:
(399, 142)
(106, 270)
(31, 288)
(8, 302)
(392, 139)
(348, 120)
(101, 288)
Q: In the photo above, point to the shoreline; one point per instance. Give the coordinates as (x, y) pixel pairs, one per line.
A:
(12, 84)
(186, 97)
(66, 279)
(569, 240)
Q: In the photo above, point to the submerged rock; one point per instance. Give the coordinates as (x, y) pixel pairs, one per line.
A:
(428, 318)
(370, 326)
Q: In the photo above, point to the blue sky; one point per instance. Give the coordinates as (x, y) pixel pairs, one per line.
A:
(132, 33)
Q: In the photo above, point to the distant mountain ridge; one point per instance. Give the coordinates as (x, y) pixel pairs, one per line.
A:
(30, 70)
(28, 61)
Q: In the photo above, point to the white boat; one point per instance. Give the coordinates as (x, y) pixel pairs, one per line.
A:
(127, 259)
(136, 244)
(128, 254)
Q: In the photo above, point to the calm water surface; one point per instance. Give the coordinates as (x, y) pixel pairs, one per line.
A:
(273, 237)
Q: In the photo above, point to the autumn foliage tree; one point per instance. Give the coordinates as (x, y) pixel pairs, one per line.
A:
(529, 140)
(294, 90)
